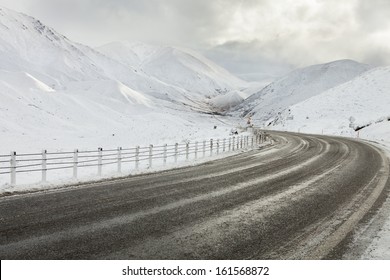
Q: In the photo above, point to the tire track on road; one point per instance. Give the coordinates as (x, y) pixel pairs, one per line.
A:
(256, 205)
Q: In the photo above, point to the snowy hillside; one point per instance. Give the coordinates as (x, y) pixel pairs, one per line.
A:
(297, 86)
(182, 68)
(362, 104)
(29, 46)
(57, 94)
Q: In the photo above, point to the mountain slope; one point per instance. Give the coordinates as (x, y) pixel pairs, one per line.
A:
(179, 67)
(59, 94)
(297, 86)
(29, 46)
(356, 105)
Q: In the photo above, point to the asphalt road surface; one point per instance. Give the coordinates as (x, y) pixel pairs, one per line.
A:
(301, 198)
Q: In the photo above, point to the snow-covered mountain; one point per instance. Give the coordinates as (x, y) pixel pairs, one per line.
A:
(55, 93)
(362, 104)
(338, 98)
(29, 46)
(297, 86)
(175, 66)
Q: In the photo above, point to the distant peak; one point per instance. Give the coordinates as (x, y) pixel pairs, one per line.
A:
(344, 61)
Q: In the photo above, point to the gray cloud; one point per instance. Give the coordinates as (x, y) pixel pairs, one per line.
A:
(373, 15)
(96, 22)
(245, 36)
(245, 59)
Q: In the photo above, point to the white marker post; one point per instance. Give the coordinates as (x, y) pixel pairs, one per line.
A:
(176, 151)
(150, 156)
(187, 150)
(165, 154)
(75, 163)
(44, 166)
(100, 161)
(119, 159)
(13, 168)
(137, 157)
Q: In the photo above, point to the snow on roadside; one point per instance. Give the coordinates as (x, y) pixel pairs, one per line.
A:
(154, 128)
(379, 249)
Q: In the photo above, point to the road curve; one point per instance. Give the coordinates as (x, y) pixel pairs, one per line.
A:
(298, 199)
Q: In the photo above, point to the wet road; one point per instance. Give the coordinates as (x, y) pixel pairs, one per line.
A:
(297, 199)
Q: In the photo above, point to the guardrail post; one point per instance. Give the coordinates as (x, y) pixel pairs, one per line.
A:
(165, 154)
(196, 150)
(234, 139)
(150, 156)
(100, 161)
(211, 147)
(75, 162)
(176, 151)
(204, 148)
(217, 146)
(224, 145)
(13, 168)
(187, 150)
(44, 166)
(230, 144)
(241, 140)
(119, 159)
(137, 157)
(252, 142)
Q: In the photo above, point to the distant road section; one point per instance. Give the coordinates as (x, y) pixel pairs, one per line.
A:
(298, 199)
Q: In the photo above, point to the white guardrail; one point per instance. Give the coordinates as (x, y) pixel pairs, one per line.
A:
(136, 158)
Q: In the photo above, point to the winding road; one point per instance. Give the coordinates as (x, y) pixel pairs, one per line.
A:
(301, 198)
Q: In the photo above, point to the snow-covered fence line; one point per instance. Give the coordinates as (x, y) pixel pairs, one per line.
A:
(120, 160)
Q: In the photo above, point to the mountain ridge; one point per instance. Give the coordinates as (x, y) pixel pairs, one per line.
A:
(297, 86)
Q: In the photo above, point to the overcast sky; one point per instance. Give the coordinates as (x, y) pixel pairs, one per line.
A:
(246, 36)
